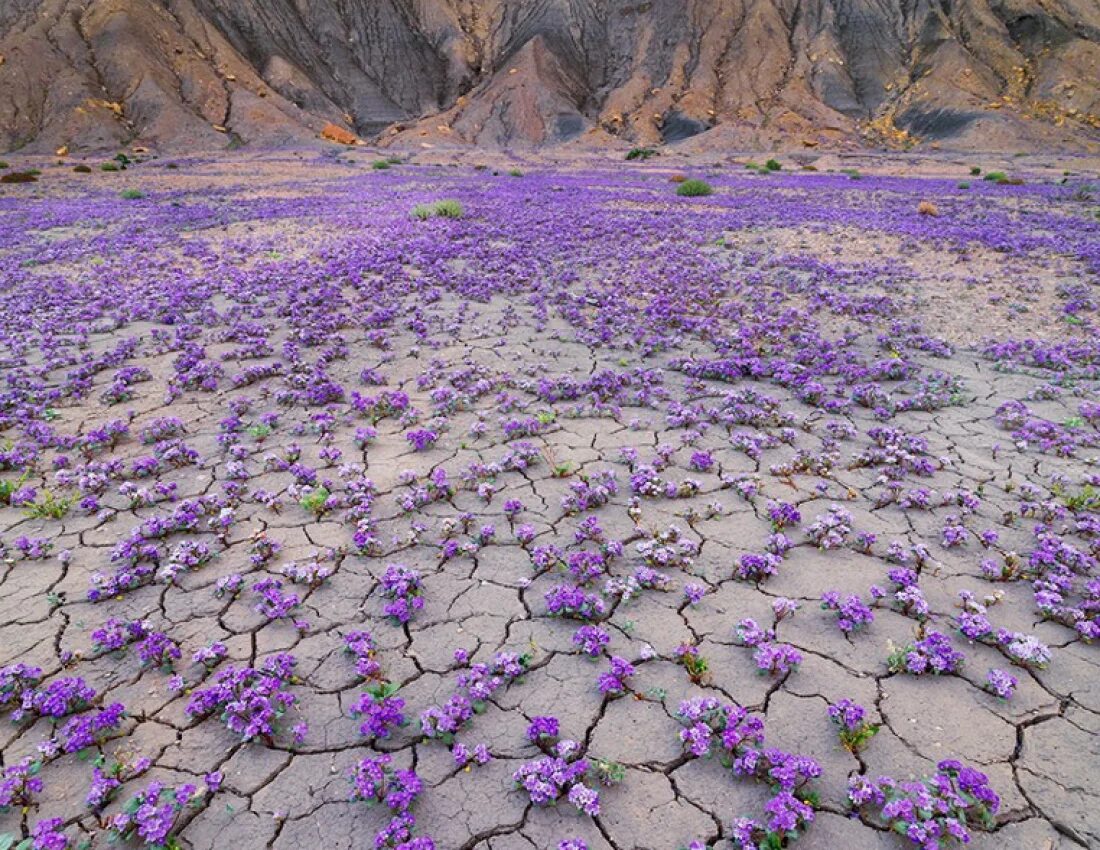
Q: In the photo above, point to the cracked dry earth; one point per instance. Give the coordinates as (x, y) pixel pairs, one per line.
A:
(545, 460)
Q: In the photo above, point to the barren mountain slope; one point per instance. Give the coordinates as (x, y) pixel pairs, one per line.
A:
(1007, 74)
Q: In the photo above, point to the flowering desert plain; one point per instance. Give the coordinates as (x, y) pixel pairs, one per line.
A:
(356, 503)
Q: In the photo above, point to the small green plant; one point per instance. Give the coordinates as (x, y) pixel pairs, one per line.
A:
(975, 170)
(1086, 499)
(82, 169)
(964, 185)
(854, 740)
(641, 153)
(380, 164)
(515, 172)
(109, 166)
(563, 469)
(440, 209)
(393, 160)
(853, 173)
(316, 501)
(132, 194)
(449, 209)
(259, 432)
(50, 507)
(8, 488)
(609, 772)
(694, 189)
(697, 666)
(4, 164)
(773, 165)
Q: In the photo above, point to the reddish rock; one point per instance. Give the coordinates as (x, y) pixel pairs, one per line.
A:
(336, 133)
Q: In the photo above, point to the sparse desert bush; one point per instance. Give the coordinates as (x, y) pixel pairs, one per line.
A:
(964, 185)
(677, 178)
(109, 166)
(975, 170)
(773, 165)
(82, 169)
(641, 153)
(380, 164)
(928, 208)
(1003, 179)
(132, 194)
(448, 208)
(19, 177)
(694, 189)
(853, 173)
(515, 172)
(4, 164)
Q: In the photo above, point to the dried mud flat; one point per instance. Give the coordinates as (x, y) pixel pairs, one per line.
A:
(284, 465)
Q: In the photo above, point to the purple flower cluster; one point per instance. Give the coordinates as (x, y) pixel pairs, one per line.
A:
(853, 727)
(592, 640)
(729, 732)
(152, 815)
(851, 612)
(562, 772)
(771, 657)
(361, 645)
(933, 812)
(250, 702)
(474, 687)
(380, 710)
(614, 682)
(563, 600)
(401, 586)
(931, 654)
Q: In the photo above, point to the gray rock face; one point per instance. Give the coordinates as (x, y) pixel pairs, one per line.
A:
(1005, 74)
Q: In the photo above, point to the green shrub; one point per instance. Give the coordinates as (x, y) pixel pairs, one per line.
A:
(315, 501)
(515, 172)
(448, 209)
(773, 165)
(964, 185)
(694, 189)
(132, 194)
(853, 173)
(995, 176)
(4, 164)
(380, 165)
(641, 153)
(393, 160)
(19, 177)
(975, 170)
(50, 507)
(108, 166)
(82, 169)
(440, 209)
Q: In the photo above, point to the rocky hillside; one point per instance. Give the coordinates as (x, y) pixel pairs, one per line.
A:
(196, 74)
